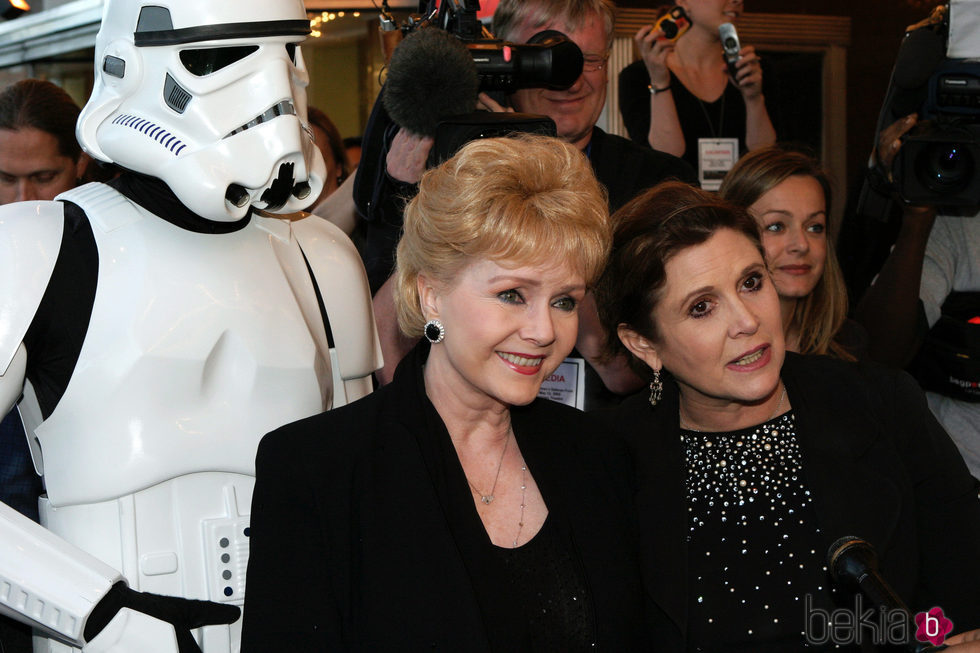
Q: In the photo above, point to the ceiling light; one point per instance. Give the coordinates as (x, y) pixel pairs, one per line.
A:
(13, 8)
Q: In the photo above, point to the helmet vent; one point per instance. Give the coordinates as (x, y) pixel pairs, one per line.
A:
(154, 131)
(175, 95)
(114, 66)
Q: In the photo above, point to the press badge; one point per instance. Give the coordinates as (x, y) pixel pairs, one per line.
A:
(566, 385)
(716, 156)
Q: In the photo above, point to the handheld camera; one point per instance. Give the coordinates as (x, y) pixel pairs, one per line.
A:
(673, 23)
(731, 46)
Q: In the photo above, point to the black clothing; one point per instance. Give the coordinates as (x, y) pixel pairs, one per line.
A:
(852, 337)
(725, 117)
(551, 591)
(878, 466)
(364, 536)
(626, 169)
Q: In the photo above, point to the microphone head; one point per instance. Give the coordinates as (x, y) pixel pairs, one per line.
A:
(431, 76)
(850, 559)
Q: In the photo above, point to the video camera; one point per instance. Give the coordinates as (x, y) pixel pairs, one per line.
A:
(549, 60)
(444, 59)
(939, 162)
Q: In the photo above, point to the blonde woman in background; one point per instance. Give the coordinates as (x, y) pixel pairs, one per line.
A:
(788, 194)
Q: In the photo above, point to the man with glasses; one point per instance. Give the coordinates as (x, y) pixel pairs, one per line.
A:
(621, 166)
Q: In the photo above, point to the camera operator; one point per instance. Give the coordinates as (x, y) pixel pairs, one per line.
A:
(922, 311)
(622, 167)
(934, 256)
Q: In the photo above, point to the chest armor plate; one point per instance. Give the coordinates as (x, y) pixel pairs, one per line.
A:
(197, 346)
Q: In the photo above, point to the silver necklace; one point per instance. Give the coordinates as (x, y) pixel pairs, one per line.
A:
(488, 498)
(520, 524)
(782, 398)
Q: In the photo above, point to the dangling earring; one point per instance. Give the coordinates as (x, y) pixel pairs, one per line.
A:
(656, 388)
(434, 331)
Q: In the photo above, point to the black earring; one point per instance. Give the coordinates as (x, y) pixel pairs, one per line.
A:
(434, 331)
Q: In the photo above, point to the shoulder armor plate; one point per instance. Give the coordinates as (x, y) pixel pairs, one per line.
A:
(30, 239)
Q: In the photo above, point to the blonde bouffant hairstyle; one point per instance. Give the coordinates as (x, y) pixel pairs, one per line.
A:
(519, 200)
(819, 316)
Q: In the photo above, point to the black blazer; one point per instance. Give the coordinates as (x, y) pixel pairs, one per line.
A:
(878, 464)
(352, 543)
(627, 169)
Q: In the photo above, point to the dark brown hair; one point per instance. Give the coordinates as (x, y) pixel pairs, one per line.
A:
(43, 106)
(320, 119)
(648, 232)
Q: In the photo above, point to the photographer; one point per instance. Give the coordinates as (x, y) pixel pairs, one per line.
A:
(623, 168)
(922, 311)
(934, 257)
(681, 95)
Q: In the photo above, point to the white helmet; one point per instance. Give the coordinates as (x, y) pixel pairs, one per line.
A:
(210, 97)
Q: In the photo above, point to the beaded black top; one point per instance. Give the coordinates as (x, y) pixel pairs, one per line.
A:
(753, 558)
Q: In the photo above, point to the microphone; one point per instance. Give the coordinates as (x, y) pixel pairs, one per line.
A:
(431, 76)
(854, 562)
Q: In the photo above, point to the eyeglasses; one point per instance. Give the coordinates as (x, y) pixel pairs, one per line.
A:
(593, 62)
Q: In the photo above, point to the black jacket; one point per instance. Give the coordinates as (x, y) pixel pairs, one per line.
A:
(627, 169)
(354, 547)
(878, 465)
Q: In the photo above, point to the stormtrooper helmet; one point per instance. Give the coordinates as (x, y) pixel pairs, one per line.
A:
(210, 97)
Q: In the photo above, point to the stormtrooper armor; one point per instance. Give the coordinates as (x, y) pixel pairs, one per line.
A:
(198, 343)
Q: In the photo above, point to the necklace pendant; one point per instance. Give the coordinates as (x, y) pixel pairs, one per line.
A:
(487, 499)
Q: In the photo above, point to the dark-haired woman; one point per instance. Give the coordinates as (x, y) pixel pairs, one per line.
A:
(752, 461)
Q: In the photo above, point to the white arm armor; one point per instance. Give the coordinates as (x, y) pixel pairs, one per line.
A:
(43, 580)
(343, 285)
(47, 582)
(30, 239)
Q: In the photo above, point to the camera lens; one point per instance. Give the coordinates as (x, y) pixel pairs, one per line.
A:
(945, 167)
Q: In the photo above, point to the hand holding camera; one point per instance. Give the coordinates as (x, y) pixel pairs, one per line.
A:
(890, 140)
(655, 42)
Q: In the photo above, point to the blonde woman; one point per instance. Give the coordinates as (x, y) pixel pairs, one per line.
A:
(788, 194)
(452, 509)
